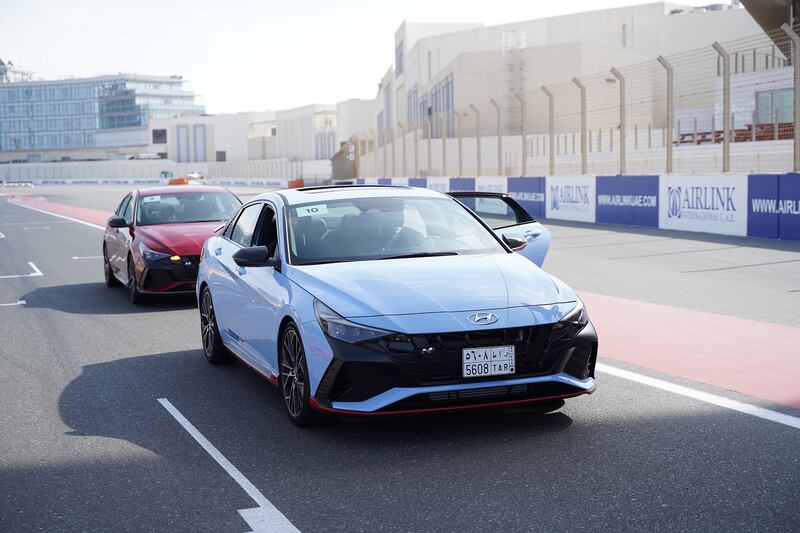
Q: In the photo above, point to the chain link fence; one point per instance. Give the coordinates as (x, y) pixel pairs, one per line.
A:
(728, 107)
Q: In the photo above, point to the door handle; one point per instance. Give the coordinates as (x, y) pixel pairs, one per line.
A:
(218, 251)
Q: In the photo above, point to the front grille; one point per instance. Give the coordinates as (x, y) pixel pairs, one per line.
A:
(537, 350)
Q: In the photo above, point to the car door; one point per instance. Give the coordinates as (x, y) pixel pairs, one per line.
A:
(506, 217)
(265, 291)
(112, 239)
(125, 236)
(225, 288)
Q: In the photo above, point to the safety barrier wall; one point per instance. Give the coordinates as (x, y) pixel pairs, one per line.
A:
(755, 205)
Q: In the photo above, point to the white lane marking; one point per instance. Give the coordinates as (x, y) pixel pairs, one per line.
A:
(28, 228)
(65, 217)
(18, 302)
(35, 274)
(715, 399)
(2, 236)
(76, 257)
(263, 518)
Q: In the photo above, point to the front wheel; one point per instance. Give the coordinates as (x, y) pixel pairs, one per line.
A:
(110, 279)
(213, 348)
(134, 293)
(295, 387)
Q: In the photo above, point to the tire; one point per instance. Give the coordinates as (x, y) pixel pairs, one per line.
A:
(293, 380)
(214, 350)
(110, 279)
(135, 295)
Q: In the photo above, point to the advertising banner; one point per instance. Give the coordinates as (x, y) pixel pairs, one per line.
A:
(789, 206)
(400, 181)
(462, 184)
(707, 203)
(631, 200)
(491, 184)
(762, 205)
(384, 181)
(529, 192)
(418, 182)
(439, 183)
(571, 198)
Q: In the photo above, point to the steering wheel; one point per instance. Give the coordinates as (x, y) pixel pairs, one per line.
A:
(404, 237)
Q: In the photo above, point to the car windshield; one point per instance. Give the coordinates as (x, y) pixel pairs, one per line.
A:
(361, 229)
(189, 206)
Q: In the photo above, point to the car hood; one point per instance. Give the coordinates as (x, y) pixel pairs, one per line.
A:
(181, 239)
(430, 285)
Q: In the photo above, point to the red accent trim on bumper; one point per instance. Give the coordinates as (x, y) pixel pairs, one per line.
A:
(316, 405)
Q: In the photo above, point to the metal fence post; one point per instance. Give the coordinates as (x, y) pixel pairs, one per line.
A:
(374, 134)
(457, 117)
(726, 106)
(617, 74)
(670, 109)
(443, 136)
(477, 137)
(394, 152)
(584, 147)
(795, 58)
(416, 149)
(524, 108)
(551, 129)
(357, 155)
(403, 133)
(499, 138)
(430, 134)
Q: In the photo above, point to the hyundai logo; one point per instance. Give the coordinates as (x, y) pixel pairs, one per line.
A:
(482, 319)
(673, 202)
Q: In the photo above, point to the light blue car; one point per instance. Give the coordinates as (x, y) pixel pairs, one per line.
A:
(377, 300)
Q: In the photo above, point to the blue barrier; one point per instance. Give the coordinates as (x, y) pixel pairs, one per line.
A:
(631, 200)
(384, 181)
(789, 206)
(530, 193)
(462, 184)
(418, 182)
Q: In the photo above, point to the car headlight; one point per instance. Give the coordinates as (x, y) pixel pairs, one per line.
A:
(151, 255)
(342, 329)
(577, 316)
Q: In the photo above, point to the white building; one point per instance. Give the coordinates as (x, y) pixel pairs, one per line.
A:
(441, 67)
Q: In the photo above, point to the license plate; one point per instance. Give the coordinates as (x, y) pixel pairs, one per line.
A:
(491, 361)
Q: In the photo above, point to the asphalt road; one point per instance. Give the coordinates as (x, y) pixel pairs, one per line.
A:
(86, 446)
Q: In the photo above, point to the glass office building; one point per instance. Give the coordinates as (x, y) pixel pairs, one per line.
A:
(84, 113)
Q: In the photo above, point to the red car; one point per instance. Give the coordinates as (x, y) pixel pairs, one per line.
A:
(152, 242)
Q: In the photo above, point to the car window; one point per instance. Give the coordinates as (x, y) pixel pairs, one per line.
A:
(185, 207)
(267, 232)
(360, 229)
(127, 212)
(496, 211)
(122, 205)
(245, 225)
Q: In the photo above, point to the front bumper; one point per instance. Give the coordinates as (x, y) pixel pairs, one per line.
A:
(388, 377)
(164, 276)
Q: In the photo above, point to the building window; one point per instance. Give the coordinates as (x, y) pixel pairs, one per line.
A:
(159, 136)
(221, 156)
(774, 106)
(398, 59)
(274, 131)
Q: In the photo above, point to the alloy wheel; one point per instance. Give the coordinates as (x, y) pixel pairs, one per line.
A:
(293, 379)
(207, 322)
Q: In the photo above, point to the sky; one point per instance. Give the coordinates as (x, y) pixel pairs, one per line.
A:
(243, 55)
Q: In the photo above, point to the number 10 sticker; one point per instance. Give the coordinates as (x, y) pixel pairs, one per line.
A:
(312, 210)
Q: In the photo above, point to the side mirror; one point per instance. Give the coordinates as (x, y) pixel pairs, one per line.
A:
(515, 242)
(255, 256)
(118, 222)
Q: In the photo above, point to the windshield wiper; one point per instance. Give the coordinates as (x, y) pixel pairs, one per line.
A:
(418, 254)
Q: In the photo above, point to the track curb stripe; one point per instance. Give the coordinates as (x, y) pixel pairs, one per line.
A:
(707, 397)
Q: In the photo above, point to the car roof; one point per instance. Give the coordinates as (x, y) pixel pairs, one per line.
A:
(166, 189)
(342, 192)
